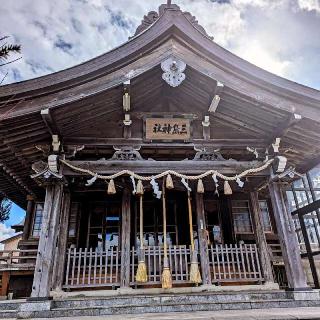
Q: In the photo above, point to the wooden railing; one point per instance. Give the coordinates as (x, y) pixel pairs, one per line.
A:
(92, 268)
(235, 263)
(12, 260)
(96, 268)
(179, 261)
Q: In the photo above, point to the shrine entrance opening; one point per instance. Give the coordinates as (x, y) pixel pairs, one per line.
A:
(97, 258)
(178, 232)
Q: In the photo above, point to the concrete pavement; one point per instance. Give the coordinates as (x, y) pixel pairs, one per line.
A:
(252, 314)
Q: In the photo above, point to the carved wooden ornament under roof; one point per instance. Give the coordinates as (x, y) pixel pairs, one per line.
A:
(173, 71)
(153, 16)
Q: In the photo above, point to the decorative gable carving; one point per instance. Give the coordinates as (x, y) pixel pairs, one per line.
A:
(153, 16)
(173, 71)
(126, 154)
(147, 21)
(207, 154)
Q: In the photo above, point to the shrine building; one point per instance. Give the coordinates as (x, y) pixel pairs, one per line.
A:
(161, 167)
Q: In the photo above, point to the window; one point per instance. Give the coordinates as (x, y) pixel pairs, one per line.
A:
(104, 225)
(265, 216)
(73, 219)
(241, 216)
(301, 193)
(314, 178)
(37, 221)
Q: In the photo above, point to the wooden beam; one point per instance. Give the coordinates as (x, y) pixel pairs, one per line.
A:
(28, 219)
(287, 238)
(283, 128)
(203, 241)
(61, 249)
(50, 122)
(261, 238)
(47, 242)
(125, 238)
(154, 167)
(309, 164)
(313, 206)
(214, 143)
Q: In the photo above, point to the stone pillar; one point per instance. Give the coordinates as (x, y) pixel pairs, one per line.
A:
(203, 241)
(261, 238)
(28, 219)
(61, 249)
(125, 239)
(288, 240)
(47, 242)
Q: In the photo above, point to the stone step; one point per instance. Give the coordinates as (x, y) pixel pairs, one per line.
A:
(170, 307)
(8, 314)
(9, 305)
(173, 298)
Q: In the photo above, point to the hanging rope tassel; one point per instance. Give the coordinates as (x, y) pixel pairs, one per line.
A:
(141, 275)
(200, 187)
(169, 182)
(139, 191)
(111, 187)
(195, 276)
(227, 188)
(166, 278)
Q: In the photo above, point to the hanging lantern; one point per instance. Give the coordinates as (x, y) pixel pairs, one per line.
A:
(111, 187)
(139, 188)
(227, 188)
(169, 182)
(200, 187)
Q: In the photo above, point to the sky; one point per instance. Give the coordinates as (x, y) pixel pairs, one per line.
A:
(281, 36)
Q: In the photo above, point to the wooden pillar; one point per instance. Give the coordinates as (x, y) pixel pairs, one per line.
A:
(261, 238)
(5, 279)
(28, 218)
(203, 241)
(61, 249)
(125, 238)
(47, 241)
(288, 240)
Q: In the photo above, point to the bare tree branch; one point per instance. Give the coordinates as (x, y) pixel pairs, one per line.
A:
(3, 78)
(3, 64)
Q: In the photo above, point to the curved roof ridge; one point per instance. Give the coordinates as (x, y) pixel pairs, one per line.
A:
(171, 21)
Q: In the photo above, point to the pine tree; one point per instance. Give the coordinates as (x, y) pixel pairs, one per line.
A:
(7, 49)
(5, 207)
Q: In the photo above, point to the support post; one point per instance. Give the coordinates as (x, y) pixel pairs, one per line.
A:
(309, 251)
(125, 239)
(261, 238)
(61, 249)
(28, 218)
(288, 240)
(5, 279)
(47, 242)
(203, 241)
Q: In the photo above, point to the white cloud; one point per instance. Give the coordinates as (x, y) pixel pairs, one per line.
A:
(5, 233)
(310, 5)
(279, 35)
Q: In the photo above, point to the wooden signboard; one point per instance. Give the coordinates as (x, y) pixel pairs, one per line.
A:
(167, 129)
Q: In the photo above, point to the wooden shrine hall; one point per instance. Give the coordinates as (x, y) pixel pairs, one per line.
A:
(159, 164)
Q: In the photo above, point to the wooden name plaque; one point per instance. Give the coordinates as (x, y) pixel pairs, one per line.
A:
(167, 129)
